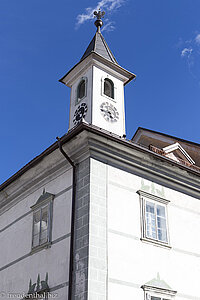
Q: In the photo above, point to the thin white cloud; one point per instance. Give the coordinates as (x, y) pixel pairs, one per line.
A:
(109, 26)
(190, 52)
(186, 52)
(107, 5)
(197, 39)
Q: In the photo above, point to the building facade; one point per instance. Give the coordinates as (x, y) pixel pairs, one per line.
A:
(97, 216)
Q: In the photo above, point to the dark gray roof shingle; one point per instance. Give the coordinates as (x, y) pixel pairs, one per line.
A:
(99, 45)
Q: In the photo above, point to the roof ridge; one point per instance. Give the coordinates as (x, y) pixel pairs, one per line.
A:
(165, 134)
(95, 38)
(99, 46)
(107, 48)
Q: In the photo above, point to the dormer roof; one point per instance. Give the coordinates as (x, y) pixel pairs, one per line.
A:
(177, 149)
(158, 283)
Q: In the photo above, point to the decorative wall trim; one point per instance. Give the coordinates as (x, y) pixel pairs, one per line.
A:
(171, 203)
(32, 186)
(138, 286)
(59, 286)
(29, 212)
(124, 234)
(138, 239)
(187, 296)
(148, 288)
(15, 221)
(153, 197)
(122, 186)
(155, 242)
(31, 253)
(61, 238)
(131, 284)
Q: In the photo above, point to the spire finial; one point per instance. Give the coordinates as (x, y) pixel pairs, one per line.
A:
(99, 15)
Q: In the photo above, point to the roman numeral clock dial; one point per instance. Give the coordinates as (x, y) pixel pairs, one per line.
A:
(109, 112)
(80, 113)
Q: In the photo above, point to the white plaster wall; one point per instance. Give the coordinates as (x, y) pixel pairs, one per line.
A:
(95, 97)
(119, 292)
(16, 240)
(98, 98)
(87, 99)
(131, 262)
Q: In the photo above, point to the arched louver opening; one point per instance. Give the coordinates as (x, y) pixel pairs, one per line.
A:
(81, 89)
(108, 88)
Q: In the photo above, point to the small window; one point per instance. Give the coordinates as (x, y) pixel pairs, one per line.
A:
(157, 289)
(42, 220)
(155, 221)
(41, 226)
(108, 88)
(81, 90)
(154, 218)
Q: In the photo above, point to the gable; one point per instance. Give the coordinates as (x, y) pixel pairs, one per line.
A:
(179, 150)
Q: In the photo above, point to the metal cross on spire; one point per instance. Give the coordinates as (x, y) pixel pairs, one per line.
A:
(99, 15)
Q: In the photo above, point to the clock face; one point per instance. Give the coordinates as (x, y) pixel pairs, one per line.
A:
(109, 112)
(80, 113)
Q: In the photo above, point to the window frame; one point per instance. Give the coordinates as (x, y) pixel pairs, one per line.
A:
(39, 206)
(114, 99)
(156, 200)
(78, 100)
(163, 294)
(111, 86)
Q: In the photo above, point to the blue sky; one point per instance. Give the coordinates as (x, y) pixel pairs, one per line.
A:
(40, 41)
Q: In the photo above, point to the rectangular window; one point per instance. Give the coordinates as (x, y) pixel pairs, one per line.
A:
(154, 224)
(41, 226)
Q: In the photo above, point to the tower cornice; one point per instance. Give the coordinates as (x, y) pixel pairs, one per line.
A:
(95, 58)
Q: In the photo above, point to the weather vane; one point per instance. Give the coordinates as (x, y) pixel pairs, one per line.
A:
(99, 15)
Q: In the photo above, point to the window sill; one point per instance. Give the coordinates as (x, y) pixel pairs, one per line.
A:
(41, 247)
(155, 243)
(79, 100)
(109, 98)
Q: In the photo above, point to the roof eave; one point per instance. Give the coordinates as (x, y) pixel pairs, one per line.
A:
(163, 134)
(94, 129)
(93, 55)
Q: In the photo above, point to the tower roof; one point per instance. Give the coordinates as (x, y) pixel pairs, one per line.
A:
(99, 46)
(98, 50)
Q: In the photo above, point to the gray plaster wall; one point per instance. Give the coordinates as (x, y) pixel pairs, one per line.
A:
(18, 264)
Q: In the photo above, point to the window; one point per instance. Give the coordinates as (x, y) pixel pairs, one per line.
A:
(40, 226)
(157, 293)
(42, 221)
(154, 218)
(108, 88)
(81, 90)
(157, 289)
(155, 221)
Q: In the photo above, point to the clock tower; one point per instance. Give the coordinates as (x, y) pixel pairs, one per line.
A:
(97, 86)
